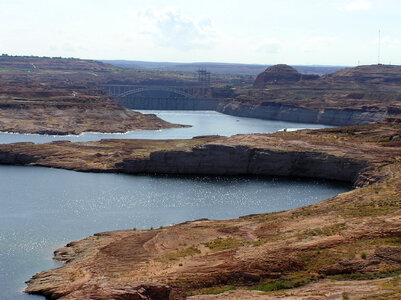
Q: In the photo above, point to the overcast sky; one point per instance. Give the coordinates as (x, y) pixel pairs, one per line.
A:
(303, 32)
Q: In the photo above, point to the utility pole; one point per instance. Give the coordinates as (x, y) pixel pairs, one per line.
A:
(378, 56)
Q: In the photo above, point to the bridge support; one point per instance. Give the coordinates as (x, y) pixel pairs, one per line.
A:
(168, 103)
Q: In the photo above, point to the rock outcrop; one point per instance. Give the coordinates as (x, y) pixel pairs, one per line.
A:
(281, 154)
(217, 159)
(277, 74)
(280, 75)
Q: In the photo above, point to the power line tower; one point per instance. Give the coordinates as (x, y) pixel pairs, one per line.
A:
(204, 80)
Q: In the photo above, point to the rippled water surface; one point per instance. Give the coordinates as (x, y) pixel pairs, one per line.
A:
(42, 209)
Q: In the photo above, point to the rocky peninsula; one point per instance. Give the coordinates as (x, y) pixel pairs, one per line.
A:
(312, 251)
(60, 96)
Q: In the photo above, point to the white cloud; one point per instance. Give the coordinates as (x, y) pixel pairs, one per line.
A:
(170, 27)
(358, 5)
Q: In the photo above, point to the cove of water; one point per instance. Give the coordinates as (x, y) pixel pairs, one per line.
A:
(203, 123)
(42, 209)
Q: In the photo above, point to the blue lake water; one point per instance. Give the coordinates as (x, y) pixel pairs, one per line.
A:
(42, 209)
(203, 123)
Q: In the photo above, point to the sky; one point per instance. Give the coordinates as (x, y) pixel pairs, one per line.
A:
(295, 32)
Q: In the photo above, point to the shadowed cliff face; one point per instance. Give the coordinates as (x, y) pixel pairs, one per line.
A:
(219, 159)
(271, 110)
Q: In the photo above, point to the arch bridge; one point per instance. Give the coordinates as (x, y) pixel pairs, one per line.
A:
(121, 91)
(164, 97)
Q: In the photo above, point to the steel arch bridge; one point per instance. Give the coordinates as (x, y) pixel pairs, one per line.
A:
(122, 91)
(178, 98)
(156, 89)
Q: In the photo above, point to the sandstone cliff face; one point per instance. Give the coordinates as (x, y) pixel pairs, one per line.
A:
(242, 160)
(290, 113)
(329, 154)
(13, 158)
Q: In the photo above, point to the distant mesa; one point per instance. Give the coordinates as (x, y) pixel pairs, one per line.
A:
(280, 74)
(369, 74)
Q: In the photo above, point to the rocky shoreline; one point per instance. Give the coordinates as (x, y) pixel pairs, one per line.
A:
(79, 116)
(356, 234)
(261, 155)
(292, 113)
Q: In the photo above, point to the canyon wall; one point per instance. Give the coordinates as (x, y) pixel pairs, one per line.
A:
(204, 159)
(280, 112)
(242, 160)
(267, 111)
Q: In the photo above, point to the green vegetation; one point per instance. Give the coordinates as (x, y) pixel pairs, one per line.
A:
(273, 286)
(220, 244)
(324, 231)
(394, 271)
(190, 251)
(219, 290)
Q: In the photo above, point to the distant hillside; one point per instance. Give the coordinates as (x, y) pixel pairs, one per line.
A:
(217, 68)
(52, 63)
(373, 74)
